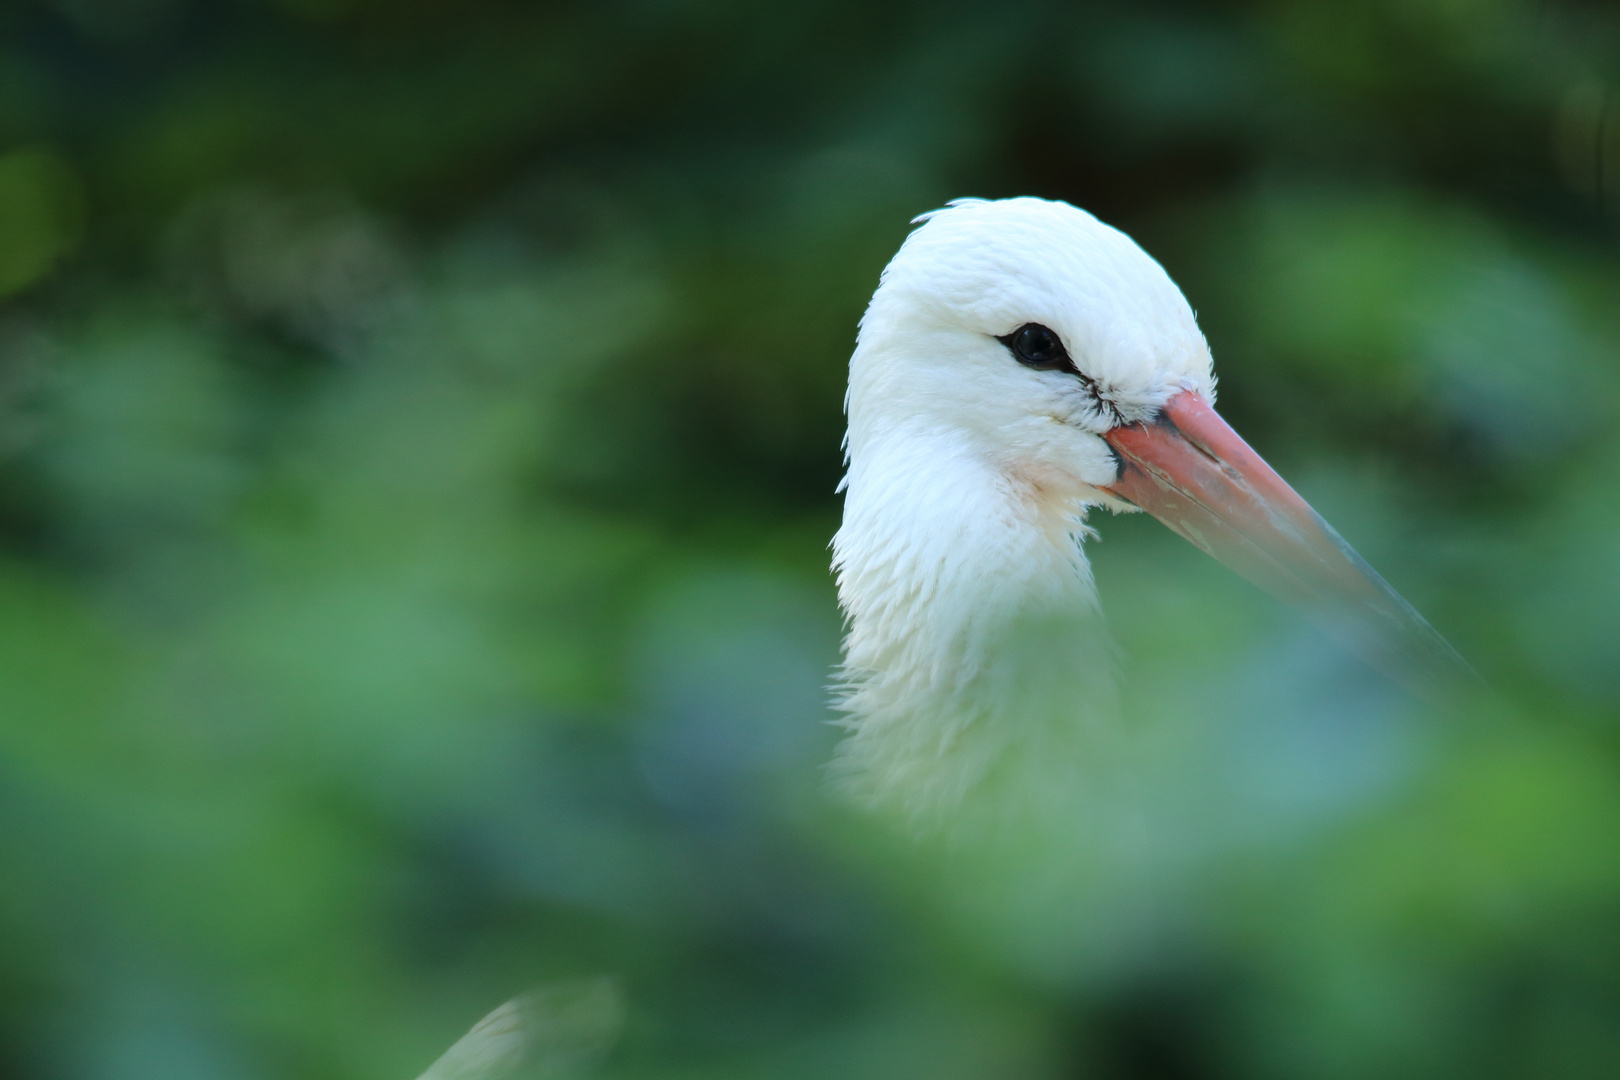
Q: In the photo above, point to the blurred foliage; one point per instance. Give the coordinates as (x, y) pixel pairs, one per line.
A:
(419, 425)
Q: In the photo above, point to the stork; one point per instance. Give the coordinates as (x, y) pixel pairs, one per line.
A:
(1020, 363)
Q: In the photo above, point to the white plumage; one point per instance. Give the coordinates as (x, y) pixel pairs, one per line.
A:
(975, 658)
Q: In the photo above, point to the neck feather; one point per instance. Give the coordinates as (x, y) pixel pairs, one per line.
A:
(975, 650)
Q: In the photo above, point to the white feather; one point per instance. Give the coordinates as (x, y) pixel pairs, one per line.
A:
(975, 659)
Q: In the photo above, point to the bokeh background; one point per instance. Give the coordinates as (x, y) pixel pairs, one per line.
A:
(419, 425)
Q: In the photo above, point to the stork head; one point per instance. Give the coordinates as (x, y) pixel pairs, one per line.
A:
(1032, 330)
(1049, 348)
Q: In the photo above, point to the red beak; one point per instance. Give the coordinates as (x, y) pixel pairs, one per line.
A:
(1190, 470)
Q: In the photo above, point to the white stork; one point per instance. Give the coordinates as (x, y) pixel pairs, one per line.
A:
(1019, 363)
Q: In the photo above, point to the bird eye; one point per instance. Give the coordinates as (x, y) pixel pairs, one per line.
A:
(1037, 347)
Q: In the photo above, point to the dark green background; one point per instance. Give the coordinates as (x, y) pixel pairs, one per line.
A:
(419, 424)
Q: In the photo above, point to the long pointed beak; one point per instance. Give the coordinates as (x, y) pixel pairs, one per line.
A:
(1190, 470)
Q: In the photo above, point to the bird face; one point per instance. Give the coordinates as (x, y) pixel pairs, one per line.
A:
(1030, 330)
(1051, 349)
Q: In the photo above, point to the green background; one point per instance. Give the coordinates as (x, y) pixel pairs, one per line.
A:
(419, 425)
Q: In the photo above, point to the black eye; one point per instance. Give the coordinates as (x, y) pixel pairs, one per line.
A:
(1037, 347)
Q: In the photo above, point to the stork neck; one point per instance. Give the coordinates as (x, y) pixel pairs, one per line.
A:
(937, 533)
(972, 622)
